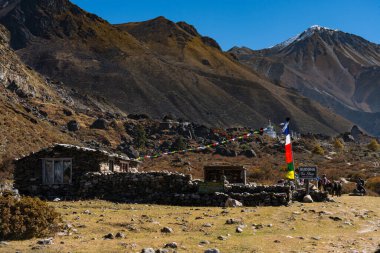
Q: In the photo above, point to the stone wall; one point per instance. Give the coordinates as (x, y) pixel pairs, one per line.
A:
(173, 189)
(134, 185)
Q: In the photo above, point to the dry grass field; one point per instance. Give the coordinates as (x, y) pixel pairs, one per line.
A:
(351, 224)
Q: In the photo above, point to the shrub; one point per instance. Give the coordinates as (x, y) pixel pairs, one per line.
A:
(140, 137)
(6, 169)
(348, 188)
(373, 145)
(318, 150)
(26, 218)
(374, 184)
(338, 145)
(179, 144)
(245, 146)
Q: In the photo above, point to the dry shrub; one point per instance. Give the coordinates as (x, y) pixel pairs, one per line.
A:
(373, 184)
(318, 150)
(348, 188)
(265, 175)
(6, 169)
(338, 145)
(373, 145)
(26, 218)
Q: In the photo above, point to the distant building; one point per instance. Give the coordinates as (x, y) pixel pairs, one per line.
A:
(269, 130)
(57, 170)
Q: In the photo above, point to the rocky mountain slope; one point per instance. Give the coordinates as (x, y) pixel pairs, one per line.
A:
(23, 97)
(339, 70)
(35, 110)
(155, 67)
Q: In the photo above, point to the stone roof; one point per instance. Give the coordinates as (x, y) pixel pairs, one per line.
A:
(86, 149)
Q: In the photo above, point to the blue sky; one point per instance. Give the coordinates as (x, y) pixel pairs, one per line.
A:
(253, 23)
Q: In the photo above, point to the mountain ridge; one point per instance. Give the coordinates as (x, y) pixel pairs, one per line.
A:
(193, 80)
(337, 69)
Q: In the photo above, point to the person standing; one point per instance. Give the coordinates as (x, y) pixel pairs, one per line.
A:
(325, 182)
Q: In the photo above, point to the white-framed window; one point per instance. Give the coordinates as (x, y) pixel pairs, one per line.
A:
(56, 170)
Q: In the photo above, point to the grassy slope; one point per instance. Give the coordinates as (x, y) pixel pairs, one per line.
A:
(289, 224)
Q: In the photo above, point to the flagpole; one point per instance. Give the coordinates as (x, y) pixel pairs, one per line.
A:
(289, 159)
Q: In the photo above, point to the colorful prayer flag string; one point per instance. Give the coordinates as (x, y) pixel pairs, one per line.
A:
(212, 145)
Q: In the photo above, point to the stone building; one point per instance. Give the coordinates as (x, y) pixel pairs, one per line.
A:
(57, 170)
(234, 174)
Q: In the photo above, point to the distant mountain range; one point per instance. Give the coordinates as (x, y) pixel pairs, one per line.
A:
(160, 67)
(339, 70)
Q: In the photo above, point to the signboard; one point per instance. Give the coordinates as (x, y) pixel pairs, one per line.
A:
(310, 172)
(211, 187)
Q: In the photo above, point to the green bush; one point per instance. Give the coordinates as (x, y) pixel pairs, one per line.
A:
(179, 144)
(140, 137)
(26, 218)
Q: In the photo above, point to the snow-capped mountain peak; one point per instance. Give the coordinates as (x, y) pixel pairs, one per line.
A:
(305, 34)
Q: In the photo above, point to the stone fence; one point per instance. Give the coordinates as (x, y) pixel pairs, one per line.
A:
(173, 189)
(96, 184)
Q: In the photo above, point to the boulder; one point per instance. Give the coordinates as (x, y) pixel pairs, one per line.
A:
(67, 112)
(250, 153)
(307, 199)
(131, 152)
(99, 124)
(232, 203)
(348, 138)
(73, 126)
(47, 241)
(222, 238)
(119, 235)
(212, 251)
(234, 221)
(109, 236)
(167, 230)
(137, 116)
(205, 62)
(148, 250)
(202, 131)
(171, 245)
(163, 251)
(226, 152)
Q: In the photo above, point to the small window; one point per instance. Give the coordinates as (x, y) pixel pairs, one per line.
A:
(124, 167)
(56, 171)
(111, 165)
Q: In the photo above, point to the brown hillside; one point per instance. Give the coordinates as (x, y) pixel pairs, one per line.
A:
(174, 70)
(34, 111)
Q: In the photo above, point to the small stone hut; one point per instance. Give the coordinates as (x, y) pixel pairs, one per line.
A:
(234, 174)
(57, 170)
